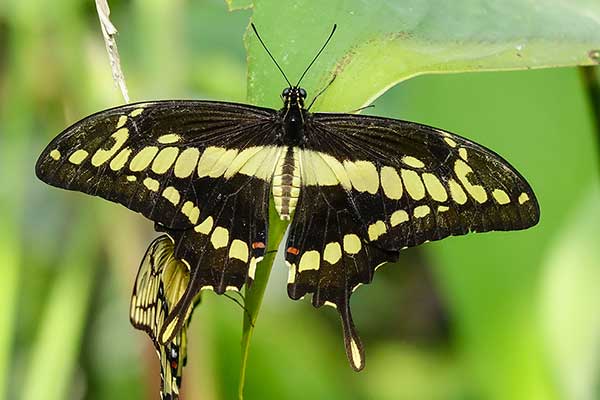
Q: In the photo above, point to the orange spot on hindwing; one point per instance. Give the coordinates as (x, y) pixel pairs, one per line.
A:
(293, 250)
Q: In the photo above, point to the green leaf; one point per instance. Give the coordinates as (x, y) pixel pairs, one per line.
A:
(379, 45)
(234, 5)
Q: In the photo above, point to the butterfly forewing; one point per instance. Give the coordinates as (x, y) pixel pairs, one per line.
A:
(146, 156)
(426, 172)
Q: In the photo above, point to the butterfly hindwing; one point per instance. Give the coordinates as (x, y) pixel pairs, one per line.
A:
(160, 283)
(328, 257)
(223, 249)
(373, 186)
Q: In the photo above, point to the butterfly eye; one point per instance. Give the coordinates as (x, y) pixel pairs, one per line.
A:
(286, 92)
(302, 93)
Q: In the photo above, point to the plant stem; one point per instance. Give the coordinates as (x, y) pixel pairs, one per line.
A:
(255, 294)
(590, 78)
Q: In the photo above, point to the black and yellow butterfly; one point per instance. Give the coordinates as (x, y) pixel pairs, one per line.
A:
(160, 283)
(358, 189)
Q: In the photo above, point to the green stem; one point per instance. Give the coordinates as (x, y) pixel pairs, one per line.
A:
(255, 294)
(590, 78)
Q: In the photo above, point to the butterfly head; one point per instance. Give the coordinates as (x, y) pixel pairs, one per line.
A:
(293, 97)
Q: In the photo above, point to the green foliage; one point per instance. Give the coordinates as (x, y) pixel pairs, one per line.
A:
(514, 309)
(380, 44)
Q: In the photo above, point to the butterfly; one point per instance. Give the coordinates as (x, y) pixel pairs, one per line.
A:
(357, 190)
(161, 281)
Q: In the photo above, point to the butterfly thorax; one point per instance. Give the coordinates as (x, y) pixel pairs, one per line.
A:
(287, 177)
(293, 116)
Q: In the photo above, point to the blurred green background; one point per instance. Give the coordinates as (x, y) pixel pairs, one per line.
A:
(495, 316)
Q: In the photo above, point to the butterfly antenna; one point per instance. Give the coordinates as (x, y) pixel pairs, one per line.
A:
(269, 53)
(318, 54)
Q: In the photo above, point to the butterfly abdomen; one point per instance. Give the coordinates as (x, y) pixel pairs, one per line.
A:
(286, 183)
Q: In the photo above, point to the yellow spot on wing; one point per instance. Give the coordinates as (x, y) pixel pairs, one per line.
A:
(55, 154)
(450, 142)
(265, 169)
(186, 162)
(101, 156)
(169, 330)
(309, 260)
(462, 152)
(523, 198)
(240, 160)
(352, 244)
(330, 304)
(252, 166)
(413, 162)
(363, 175)
(78, 156)
(219, 237)
(501, 196)
(205, 227)
(151, 184)
(131, 178)
(413, 183)
(462, 169)
(252, 269)
(398, 217)
(291, 272)
(238, 250)
(190, 211)
(421, 211)
(143, 158)
(210, 157)
(391, 183)
(357, 360)
(338, 170)
(136, 112)
(443, 208)
(122, 121)
(120, 159)
(223, 163)
(332, 253)
(457, 193)
(172, 194)
(169, 138)
(165, 158)
(434, 187)
(315, 170)
(376, 229)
